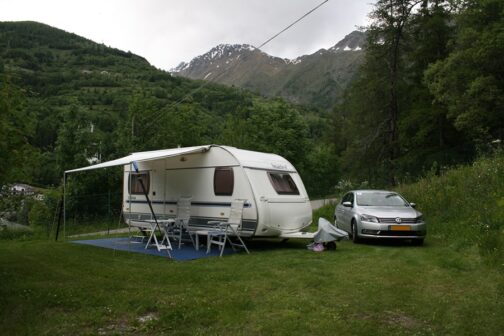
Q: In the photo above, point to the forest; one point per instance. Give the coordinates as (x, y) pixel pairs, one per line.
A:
(429, 96)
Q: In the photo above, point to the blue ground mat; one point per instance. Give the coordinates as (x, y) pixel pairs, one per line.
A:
(186, 252)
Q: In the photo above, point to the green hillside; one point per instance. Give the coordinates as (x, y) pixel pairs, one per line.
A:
(322, 79)
(67, 100)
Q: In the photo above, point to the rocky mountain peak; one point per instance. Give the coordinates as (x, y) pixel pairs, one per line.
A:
(226, 52)
(354, 41)
(319, 78)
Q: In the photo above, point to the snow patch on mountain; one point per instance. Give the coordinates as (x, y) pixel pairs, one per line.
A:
(181, 67)
(352, 42)
(226, 55)
(226, 52)
(293, 61)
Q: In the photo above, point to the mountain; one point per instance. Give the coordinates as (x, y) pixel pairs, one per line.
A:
(318, 79)
(61, 78)
(66, 101)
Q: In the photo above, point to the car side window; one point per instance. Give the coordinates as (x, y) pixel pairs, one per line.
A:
(347, 198)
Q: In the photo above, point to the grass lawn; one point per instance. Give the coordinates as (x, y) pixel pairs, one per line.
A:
(49, 288)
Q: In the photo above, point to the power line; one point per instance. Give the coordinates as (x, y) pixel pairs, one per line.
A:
(211, 80)
(292, 24)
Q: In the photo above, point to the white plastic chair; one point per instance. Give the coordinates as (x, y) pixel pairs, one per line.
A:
(223, 231)
(180, 225)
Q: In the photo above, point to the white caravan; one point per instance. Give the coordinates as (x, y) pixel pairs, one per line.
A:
(276, 202)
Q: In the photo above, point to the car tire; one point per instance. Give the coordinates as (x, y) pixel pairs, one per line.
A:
(355, 235)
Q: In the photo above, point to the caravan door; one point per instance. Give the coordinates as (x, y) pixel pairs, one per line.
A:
(282, 201)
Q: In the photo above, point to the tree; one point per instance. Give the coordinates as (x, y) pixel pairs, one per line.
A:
(363, 116)
(321, 170)
(470, 81)
(138, 130)
(74, 139)
(275, 126)
(428, 137)
(386, 35)
(15, 128)
(389, 111)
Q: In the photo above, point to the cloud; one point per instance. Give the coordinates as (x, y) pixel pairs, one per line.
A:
(168, 32)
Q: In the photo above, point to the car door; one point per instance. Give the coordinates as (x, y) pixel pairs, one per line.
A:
(343, 213)
(348, 215)
(338, 214)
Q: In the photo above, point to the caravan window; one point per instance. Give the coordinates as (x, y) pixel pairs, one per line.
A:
(136, 187)
(283, 183)
(223, 181)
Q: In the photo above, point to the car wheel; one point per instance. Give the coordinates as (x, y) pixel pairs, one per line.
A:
(355, 235)
(417, 242)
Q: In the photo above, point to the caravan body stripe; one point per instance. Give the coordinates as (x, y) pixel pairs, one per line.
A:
(248, 226)
(204, 204)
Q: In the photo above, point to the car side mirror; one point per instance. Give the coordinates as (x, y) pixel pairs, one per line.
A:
(347, 204)
(413, 205)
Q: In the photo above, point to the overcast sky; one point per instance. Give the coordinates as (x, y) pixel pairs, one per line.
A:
(167, 32)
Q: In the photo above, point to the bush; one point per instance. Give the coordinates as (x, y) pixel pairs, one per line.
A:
(40, 215)
(327, 212)
(11, 234)
(23, 210)
(465, 206)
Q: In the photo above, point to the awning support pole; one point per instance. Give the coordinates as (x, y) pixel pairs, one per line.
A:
(146, 196)
(64, 206)
(61, 209)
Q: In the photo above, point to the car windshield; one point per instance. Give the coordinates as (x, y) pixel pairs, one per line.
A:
(380, 199)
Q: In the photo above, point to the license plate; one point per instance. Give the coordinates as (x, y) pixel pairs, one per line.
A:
(400, 228)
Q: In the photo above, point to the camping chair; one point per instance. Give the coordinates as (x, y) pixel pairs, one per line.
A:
(222, 231)
(144, 228)
(180, 225)
(148, 229)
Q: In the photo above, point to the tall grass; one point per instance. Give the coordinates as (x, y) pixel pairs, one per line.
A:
(465, 206)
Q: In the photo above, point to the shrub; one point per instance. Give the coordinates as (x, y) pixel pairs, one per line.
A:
(40, 215)
(327, 212)
(23, 210)
(465, 205)
(10, 234)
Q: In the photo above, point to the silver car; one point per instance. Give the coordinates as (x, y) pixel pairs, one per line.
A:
(379, 214)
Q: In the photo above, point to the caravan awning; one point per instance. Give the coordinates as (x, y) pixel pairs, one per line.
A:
(145, 156)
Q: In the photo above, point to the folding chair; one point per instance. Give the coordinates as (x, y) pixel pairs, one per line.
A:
(180, 226)
(223, 231)
(144, 229)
